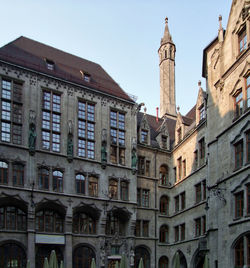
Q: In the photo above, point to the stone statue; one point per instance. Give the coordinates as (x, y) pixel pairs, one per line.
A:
(32, 138)
(103, 152)
(132, 258)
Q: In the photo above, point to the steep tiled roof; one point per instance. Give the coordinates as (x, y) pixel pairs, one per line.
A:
(32, 54)
(155, 127)
(192, 113)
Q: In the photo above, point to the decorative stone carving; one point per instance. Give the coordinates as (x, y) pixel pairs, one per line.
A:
(134, 156)
(32, 132)
(132, 257)
(70, 146)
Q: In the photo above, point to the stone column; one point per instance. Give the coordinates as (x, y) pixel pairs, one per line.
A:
(31, 252)
(68, 260)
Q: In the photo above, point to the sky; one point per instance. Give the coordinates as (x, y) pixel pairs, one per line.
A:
(123, 36)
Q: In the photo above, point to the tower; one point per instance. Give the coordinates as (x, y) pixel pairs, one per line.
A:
(167, 74)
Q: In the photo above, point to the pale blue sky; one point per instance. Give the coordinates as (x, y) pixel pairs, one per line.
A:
(123, 36)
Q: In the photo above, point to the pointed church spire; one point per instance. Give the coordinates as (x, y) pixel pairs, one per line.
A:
(167, 38)
(167, 74)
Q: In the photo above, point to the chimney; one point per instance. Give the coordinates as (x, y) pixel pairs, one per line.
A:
(157, 114)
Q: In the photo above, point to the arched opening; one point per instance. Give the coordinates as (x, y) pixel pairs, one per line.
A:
(199, 259)
(82, 256)
(163, 262)
(12, 255)
(142, 252)
(44, 251)
(183, 262)
(241, 251)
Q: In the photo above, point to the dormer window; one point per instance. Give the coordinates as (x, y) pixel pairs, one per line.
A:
(202, 112)
(50, 65)
(164, 140)
(242, 37)
(144, 136)
(85, 76)
(179, 134)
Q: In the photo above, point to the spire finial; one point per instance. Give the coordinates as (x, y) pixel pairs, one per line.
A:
(166, 20)
(220, 22)
(199, 83)
(220, 32)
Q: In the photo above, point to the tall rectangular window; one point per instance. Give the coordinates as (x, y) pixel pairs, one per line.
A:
(248, 199)
(144, 136)
(198, 227)
(202, 112)
(184, 168)
(141, 165)
(147, 171)
(86, 130)
(145, 198)
(117, 135)
(238, 148)
(18, 174)
(124, 191)
(179, 162)
(202, 151)
(182, 231)
(248, 92)
(51, 121)
(93, 186)
(145, 228)
(198, 193)
(248, 146)
(11, 111)
(242, 37)
(176, 233)
(195, 159)
(176, 199)
(183, 200)
(239, 201)
(238, 103)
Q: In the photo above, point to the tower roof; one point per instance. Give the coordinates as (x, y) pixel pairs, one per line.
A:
(167, 38)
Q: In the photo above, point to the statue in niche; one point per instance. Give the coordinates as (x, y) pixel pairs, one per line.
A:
(132, 257)
(104, 148)
(70, 150)
(134, 156)
(32, 138)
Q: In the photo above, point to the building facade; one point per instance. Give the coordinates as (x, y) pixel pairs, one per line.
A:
(85, 172)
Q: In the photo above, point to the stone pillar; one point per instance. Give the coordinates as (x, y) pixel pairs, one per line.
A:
(31, 246)
(68, 259)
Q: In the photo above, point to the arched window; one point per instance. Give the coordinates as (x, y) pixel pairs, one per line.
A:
(48, 220)
(43, 179)
(83, 224)
(241, 251)
(3, 172)
(164, 179)
(82, 257)
(164, 205)
(57, 181)
(13, 218)
(113, 189)
(80, 184)
(18, 174)
(164, 234)
(142, 252)
(163, 262)
(12, 255)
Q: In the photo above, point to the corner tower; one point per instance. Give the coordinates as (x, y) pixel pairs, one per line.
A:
(167, 74)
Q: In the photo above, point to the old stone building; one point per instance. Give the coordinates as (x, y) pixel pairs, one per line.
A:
(85, 172)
